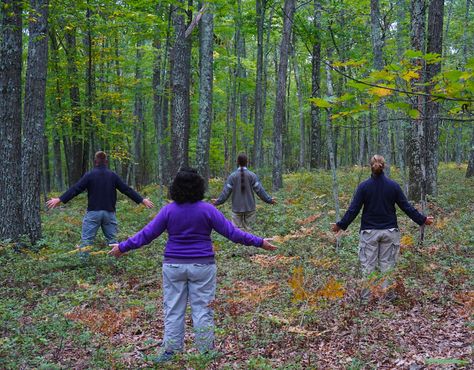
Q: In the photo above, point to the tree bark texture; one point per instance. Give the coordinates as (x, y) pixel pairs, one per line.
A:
(206, 49)
(377, 48)
(260, 7)
(416, 162)
(139, 170)
(180, 76)
(432, 121)
(34, 118)
(280, 109)
(316, 143)
(11, 225)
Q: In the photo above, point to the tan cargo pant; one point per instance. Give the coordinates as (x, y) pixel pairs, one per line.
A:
(244, 221)
(378, 248)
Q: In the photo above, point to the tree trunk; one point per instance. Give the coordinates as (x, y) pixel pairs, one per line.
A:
(470, 164)
(76, 156)
(377, 47)
(11, 225)
(416, 173)
(316, 143)
(434, 45)
(89, 136)
(260, 7)
(299, 92)
(280, 109)
(206, 50)
(330, 144)
(180, 78)
(34, 118)
(139, 121)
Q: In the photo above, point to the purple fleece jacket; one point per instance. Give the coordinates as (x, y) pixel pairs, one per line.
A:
(189, 227)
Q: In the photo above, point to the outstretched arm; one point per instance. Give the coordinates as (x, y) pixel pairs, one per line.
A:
(132, 194)
(145, 236)
(227, 229)
(74, 190)
(410, 211)
(225, 192)
(352, 211)
(260, 191)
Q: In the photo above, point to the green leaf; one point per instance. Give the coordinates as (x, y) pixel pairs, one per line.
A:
(413, 54)
(320, 102)
(413, 113)
(445, 361)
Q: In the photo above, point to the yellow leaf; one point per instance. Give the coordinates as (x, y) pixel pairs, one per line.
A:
(296, 283)
(380, 91)
(407, 240)
(410, 75)
(332, 290)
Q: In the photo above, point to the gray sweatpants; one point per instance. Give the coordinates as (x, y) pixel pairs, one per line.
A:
(195, 283)
(378, 248)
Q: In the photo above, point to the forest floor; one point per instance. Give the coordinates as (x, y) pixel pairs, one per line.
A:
(295, 308)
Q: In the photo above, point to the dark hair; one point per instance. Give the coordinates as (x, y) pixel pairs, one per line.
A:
(100, 158)
(242, 162)
(187, 186)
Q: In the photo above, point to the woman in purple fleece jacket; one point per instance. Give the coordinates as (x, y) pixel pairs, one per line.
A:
(189, 270)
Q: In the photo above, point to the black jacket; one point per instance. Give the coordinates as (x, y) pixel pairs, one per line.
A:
(101, 184)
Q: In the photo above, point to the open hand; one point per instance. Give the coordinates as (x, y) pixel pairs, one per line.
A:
(429, 220)
(148, 203)
(214, 201)
(53, 203)
(115, 251)
(335, 228)
(267, 245)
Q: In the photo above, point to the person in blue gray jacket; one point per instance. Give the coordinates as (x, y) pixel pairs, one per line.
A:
(379, 244)
(242, 184)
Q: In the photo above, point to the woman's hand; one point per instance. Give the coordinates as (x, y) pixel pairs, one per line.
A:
(267, 245)
(115, 251)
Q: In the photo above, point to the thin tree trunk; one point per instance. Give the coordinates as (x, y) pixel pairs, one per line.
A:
(76, 147)
(434, 45)
(377, 47)
(206, 50)
(299, 92)
(316, 143)
(180, 78)
(139, 121)
(260, 7)
(330, 144)
(280, 109)
(470, 164)
(417, 173)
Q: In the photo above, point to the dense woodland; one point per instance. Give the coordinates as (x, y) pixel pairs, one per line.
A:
(297, 85)
(310, 90)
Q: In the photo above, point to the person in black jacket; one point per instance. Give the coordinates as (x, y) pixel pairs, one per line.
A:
(101, 184)
(379, 235)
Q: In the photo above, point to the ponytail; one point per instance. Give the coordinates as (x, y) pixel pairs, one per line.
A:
(377, 164)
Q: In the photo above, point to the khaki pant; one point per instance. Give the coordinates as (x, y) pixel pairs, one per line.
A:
(378, 248)
(244, 220)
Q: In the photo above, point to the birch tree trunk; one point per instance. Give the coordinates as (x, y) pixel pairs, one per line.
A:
(11, 225)
(206, 49)
(280, 109)
(330, 144)
(34, 118)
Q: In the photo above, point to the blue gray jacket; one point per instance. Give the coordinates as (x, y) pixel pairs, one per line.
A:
(242, 183)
